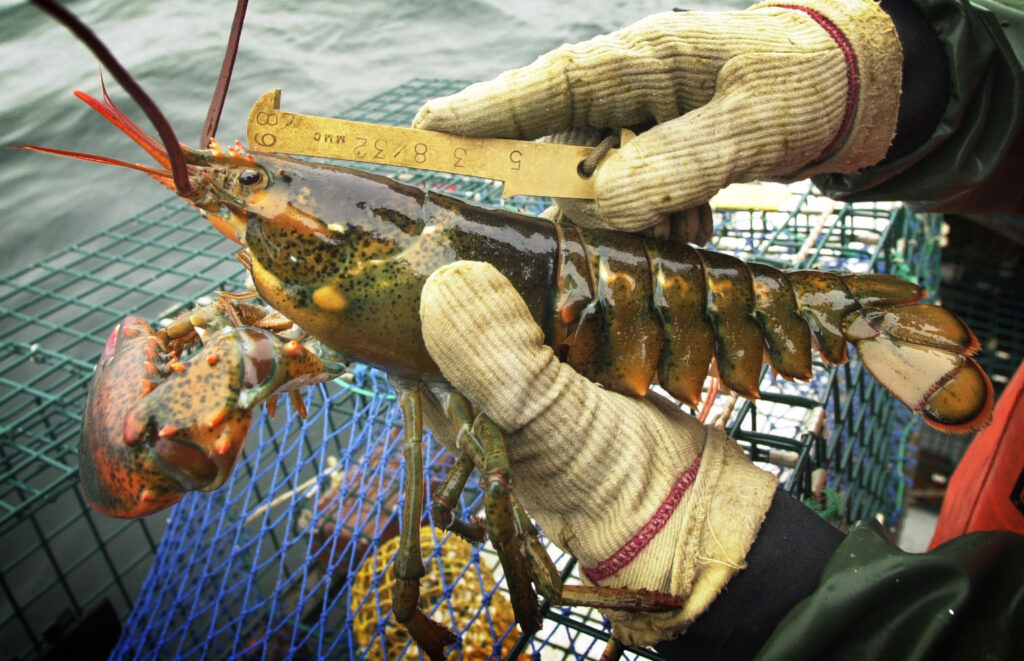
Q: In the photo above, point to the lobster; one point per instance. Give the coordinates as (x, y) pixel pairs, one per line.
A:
(340, 257)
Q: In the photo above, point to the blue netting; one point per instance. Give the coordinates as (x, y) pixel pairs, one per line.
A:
(266, 566)
(254, 569)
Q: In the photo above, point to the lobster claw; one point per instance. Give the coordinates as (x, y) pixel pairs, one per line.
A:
(145, 444)
(157, 426)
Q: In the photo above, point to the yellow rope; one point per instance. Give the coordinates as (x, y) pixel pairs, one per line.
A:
(478, 639)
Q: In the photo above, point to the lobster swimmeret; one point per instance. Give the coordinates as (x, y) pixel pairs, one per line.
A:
(344, 254)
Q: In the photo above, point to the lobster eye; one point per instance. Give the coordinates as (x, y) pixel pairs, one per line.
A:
(249, 177)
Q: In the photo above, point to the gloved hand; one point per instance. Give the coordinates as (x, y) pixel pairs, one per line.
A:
(772, 92)
(642, 494)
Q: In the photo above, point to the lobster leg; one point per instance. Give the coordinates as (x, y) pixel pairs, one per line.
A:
(499, 504)
(431, 636)
(447, 495)
(524, 560)
(480, 440)
(545, 573)
(458, 409)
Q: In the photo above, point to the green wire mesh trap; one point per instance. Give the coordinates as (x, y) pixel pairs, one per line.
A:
(266, 567)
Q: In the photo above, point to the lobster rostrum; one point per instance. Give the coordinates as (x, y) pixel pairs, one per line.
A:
(341, 257)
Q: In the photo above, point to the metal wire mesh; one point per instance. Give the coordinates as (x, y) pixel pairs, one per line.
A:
(265, 567)
(841, 426)
(987, 297)
(58, 559)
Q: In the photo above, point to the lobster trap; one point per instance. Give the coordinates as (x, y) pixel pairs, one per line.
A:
(292, 557)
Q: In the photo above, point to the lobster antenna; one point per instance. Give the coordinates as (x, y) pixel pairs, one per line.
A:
(163, 128)
(224, 80)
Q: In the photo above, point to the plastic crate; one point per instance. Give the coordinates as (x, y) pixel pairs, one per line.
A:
(263, 567)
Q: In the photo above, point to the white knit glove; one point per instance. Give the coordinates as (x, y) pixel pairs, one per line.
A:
(642, 494)
(771, 92)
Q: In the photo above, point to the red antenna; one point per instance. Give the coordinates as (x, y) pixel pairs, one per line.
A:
(163, 128)
(224, 80)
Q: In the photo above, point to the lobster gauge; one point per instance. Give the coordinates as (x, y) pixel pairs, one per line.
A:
(525, 167)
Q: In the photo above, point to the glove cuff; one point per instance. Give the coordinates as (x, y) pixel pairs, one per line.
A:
(709, 537)
(874, 58)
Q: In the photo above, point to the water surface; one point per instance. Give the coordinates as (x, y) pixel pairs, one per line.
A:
(326, 55)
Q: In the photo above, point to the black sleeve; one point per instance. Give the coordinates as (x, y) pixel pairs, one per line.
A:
(809, 593)
(783, 566)
(970, 160)
(925, 78)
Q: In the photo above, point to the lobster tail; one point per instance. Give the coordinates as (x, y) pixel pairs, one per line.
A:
(707, 306)
(922, 355)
